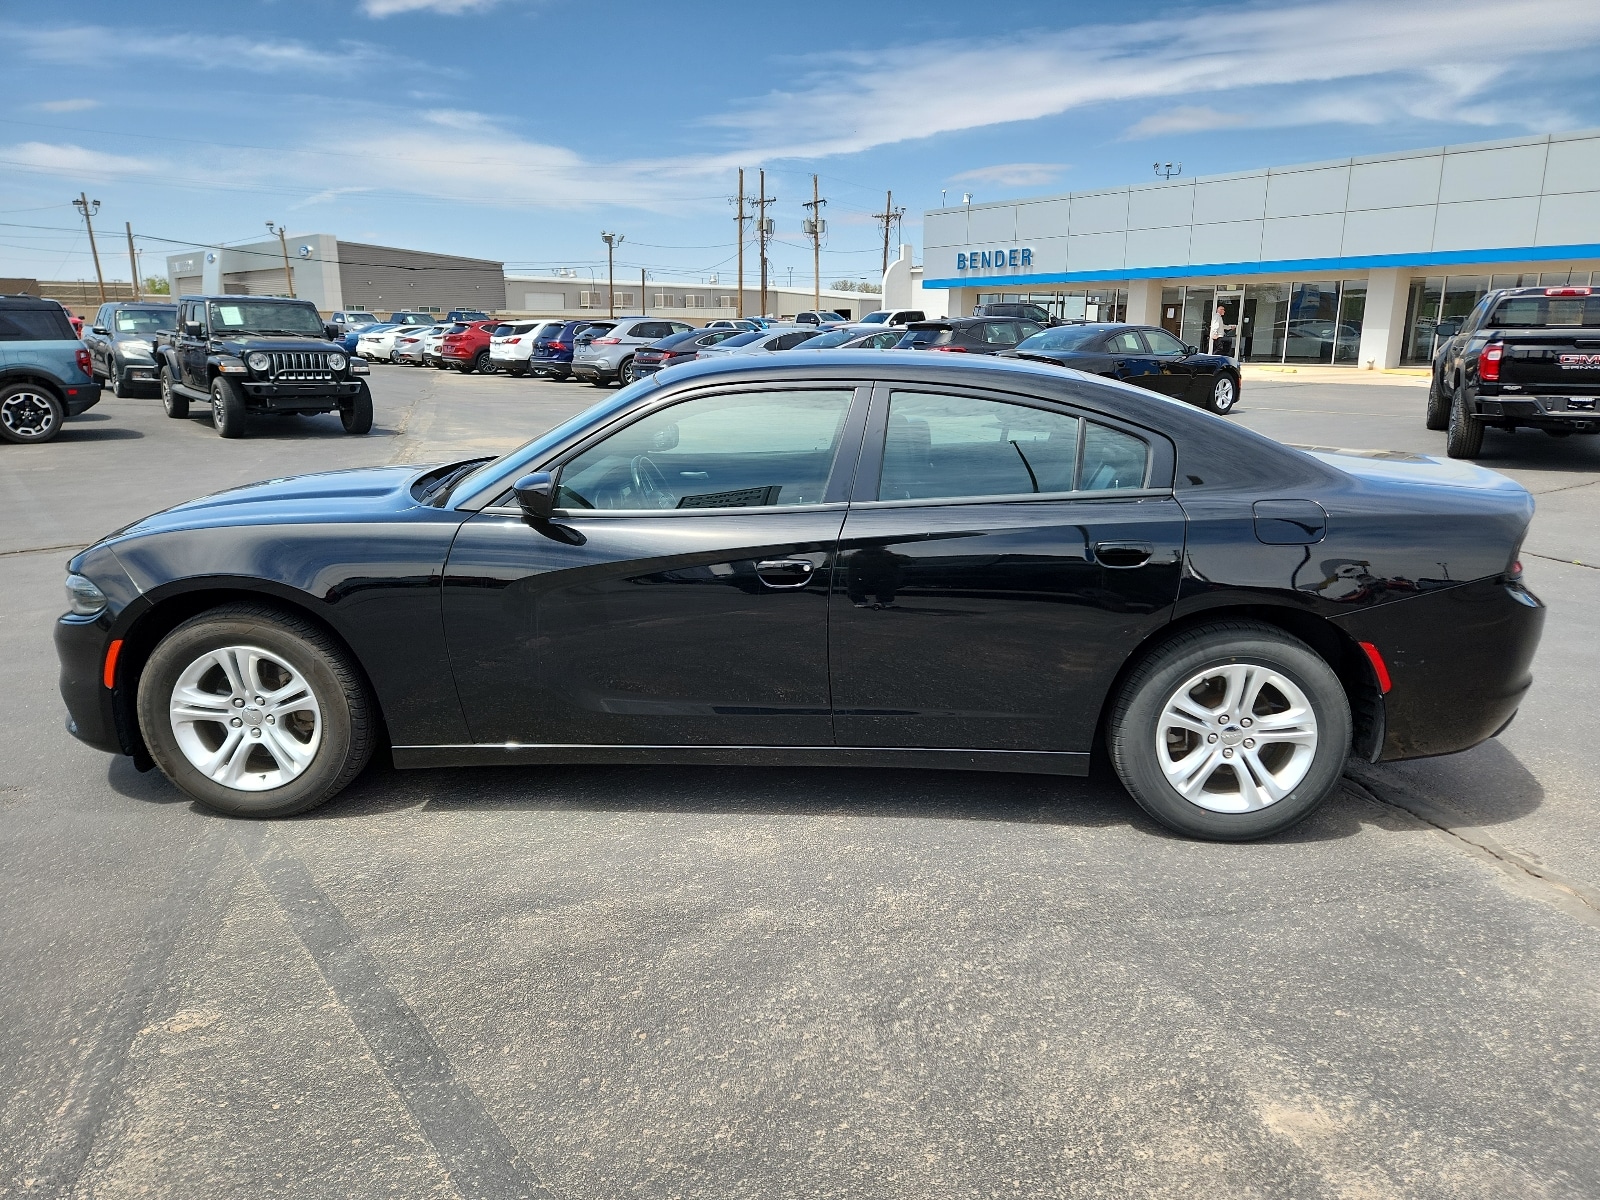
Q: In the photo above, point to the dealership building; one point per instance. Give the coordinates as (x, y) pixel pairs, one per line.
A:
(1351, 262)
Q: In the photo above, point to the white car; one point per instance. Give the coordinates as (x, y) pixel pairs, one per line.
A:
(411, 344)
(511, 344)
(779, 337)
(434, 339)
(377, 344)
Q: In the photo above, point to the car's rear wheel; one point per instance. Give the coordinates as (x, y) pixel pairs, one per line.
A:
(626, 373)
(1464, 436)
(482, 363)
(29, 414)
(175, 406)
(1231, 731)
(1224, 395)
(254, 712)
(356, 416)
(1438, 412)
(227, 408)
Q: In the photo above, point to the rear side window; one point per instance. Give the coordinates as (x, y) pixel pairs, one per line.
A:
(35, 325)
(952, 447)
(917, 339)
(789, 341)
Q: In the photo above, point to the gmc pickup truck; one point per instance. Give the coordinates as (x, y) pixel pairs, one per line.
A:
(246, 355)
(1524, 358)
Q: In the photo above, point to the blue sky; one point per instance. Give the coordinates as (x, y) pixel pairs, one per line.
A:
(519, 129)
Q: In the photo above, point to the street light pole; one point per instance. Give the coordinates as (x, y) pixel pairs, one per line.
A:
(88, 208)
(612, 241)
(288, 275)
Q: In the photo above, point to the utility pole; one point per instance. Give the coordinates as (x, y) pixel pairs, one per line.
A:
(644, 305)
(133, 259)
(612, 241)
(763, 233)
(288, 275)
(741, 220)
(817, 227)
(88, 208)
(889, 218)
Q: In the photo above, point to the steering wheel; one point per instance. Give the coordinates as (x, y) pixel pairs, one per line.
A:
(649, 484)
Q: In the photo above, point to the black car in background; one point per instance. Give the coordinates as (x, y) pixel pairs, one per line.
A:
(968, 335)
(677, 348)
(891, 559)
(1030, 312)
(551, 356)
(1143, 356)
(121, 342)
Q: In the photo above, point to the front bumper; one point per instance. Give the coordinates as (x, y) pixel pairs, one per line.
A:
(315, 396)
(1459, 660)
(81, 648)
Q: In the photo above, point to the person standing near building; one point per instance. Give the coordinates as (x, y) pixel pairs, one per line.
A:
(1220, 332)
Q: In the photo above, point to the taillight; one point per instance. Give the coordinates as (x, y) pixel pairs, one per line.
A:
(607, 341)
(83, 362)
(513, 341)
(1568, 291)
(1489, 362)
(559, 346)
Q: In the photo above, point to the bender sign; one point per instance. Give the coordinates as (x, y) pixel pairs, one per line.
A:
(999, 257)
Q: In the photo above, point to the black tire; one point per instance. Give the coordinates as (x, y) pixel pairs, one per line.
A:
(1438, 412)
(1464, 436)
(517, 372)
(176, 406)
(1135, 728)
(1224, 394)
(357, 415)
(348, 720)
(482, 363)
(625, 374)
(114, 380)
(30, 415)
(599, 383)
(227, 408)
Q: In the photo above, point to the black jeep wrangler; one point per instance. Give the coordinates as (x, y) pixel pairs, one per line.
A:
(257, 354)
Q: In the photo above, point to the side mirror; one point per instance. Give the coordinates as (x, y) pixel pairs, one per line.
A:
(191, 328)
(536, 495)
(1188, 349)
(100, 329)
(1446, 329)
(332, 332)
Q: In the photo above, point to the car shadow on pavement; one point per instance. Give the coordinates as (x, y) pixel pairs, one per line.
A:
(1526, 450)
(72, 432)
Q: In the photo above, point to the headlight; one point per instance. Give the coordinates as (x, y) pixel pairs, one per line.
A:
(336, 361)
(83, 598)
(258, 360)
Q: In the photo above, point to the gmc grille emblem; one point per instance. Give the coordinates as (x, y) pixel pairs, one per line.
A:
(1584, 362)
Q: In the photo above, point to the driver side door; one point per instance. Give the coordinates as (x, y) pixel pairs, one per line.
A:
(679, 595)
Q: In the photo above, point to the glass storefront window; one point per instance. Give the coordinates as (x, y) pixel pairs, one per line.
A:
(1508, 281)
(1172, 311)
(1261, 325)
(1461, 296)
(1352, 309)
(1422, 315)
(1198, 303)
(1313, 322)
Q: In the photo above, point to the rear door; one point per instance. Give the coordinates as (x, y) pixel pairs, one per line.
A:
(681, 594)
(1001, 558)
(1131, 360)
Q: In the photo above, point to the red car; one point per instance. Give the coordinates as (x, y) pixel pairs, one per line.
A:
(468, 349)
(77, 321)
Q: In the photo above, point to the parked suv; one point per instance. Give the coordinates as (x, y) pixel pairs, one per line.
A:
(552, 348)
(893, 316)
(44, 370)
(819, 318)
(121, 342)
(1030, 312)
(968, 335)
(466, 347)
(511, 343)
(466, 314)
(412, 318)
(610, 356)
(243, 355)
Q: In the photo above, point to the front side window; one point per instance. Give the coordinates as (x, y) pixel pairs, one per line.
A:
(735, 450)
(1126, 342)
(948, 447)
(1162, 342)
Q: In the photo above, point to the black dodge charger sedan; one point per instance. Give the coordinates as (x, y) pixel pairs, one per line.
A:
(895, 560)
(1141, 355)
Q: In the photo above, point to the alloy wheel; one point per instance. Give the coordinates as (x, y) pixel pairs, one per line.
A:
(28, 416)
(1236, 738)
(1223, 395)
(245, 718)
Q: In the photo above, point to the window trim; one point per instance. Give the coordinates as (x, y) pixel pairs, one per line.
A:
(1160, 460)
(835, 493)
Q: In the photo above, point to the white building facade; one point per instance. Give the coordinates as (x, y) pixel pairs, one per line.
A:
(1351, 262)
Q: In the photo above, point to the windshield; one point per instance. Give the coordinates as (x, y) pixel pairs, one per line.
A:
(516, 461)
(146, 320)
(264, 316)
(1069, 338)
(742, 339)
(411, 319)
(875, 318)
(834, 337)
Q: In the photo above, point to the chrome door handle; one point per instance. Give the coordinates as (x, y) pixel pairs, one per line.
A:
(786, 572)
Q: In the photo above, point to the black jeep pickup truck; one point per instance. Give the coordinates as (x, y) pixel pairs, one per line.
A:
(256, 354)
(1524, 358)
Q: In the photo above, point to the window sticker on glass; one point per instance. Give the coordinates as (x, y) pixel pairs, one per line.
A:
(230, 314)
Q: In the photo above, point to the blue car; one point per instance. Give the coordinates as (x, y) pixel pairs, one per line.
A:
(45, 373)
(552, 353)
(354, 332)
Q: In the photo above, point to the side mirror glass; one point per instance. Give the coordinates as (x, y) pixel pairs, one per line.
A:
(192, 328)
(665, 438)
(333, 332)
(1446, 329)
(100, 329)
(1188, 349)
(536, 495)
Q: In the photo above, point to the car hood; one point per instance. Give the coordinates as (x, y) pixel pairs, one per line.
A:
(1402, 467)
(362, 493)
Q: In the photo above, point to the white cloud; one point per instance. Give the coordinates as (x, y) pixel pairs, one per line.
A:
(66, 158)
(327, 195)
(1023, 174)
(81, 104)
(95, 44)
(1186, 118)
(448, 8)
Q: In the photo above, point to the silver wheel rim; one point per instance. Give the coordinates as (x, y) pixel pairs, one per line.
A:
(1236, 738)
(245, 718)
(28, 415)
(1224, 394)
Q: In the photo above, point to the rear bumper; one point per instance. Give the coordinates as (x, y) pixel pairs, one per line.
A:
(81, 398)
(1570, 413)
(1459, 660)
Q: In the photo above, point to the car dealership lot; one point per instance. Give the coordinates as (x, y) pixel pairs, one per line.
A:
(747, 982)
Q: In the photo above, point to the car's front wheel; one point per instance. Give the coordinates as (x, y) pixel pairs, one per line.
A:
(227, 408)
(114, 379)
(1224, 395)
(29, 414)
(254, 712)
(1464, 433)
(357, 414)
(175, 406)
(1230, 731)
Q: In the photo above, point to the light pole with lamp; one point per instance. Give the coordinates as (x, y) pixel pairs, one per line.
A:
(612, 241)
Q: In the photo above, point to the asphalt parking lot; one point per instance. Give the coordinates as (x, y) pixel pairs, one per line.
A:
(670, 982)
